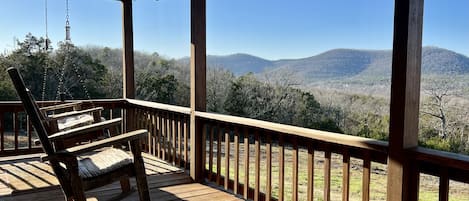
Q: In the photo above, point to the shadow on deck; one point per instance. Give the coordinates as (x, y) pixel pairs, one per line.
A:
(26, 178)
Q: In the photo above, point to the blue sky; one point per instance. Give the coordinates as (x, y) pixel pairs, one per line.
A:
(266, 28)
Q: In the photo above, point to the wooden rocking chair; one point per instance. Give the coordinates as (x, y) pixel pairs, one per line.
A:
(90, 165)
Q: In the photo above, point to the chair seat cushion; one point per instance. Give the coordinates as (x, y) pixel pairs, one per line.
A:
(97, 163)
(74, 121)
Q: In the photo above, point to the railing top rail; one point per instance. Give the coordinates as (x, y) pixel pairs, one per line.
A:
(159, 106)
(441, 158)
(335, 138)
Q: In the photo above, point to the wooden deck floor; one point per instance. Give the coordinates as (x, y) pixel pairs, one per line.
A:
(26, 178)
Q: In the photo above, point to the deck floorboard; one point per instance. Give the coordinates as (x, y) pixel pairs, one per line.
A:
(30, 179)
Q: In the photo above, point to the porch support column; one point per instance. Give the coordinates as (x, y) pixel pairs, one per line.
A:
(403, 175)
(198, 86)
(128, 50)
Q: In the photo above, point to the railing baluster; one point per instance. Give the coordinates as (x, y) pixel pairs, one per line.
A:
(132, 114)
(444, 185)
(205, 129)
(134, 119)
(179, 140)
(310, 173)
(257, 148)
(186, 142)
(138, 119)
(236, 160)
(163, 135)
(366, 177)
(174, 131)
(345, 175)
(148, 127)
(218, 155)
(268, 153)
(16, 128)
(295, 170)
(246, 163)
(150, 132)
(169, 129)
(2, 131)
(154, 131)
(210, 154)
(169, 137)
(281, 166)
(327, 175)
(227, 157)
(159, 134)
(30, 132)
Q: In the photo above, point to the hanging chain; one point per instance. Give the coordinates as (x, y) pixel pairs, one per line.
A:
(68, 93)
(47, 26)
(44, 80)
(62, 74)
(82, 82)
(44, 77)
(61, 89)
(67, 23)
(67, 17)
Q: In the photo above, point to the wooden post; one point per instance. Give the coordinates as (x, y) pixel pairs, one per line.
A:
(198, 85)
(128, 83)
(128, 50)
(405, 93)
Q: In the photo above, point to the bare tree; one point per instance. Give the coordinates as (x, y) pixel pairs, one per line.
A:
(439, 93)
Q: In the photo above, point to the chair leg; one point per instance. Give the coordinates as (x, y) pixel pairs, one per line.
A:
(65, 183)
(140, 175)
(125, 184)
(77, 188)
(76, 183)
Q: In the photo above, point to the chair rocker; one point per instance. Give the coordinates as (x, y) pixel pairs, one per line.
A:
(91, 165)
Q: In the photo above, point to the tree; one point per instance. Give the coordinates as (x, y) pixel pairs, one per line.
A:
(436, 104)
(152, 86)
(219, 81)
(31, 58)
(7, 91)
(83, 77)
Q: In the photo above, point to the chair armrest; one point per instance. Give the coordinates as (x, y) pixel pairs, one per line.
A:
(60, 106)
(130, 136)
(72, 113)
(85, 129)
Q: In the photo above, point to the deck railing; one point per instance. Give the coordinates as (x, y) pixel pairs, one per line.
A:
(255, 159)
(168, 127)
(276, 146)
(444, 165)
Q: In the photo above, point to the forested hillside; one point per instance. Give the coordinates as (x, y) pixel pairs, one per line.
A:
(346, 105)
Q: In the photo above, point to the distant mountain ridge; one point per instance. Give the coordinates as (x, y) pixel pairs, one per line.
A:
(342, 63)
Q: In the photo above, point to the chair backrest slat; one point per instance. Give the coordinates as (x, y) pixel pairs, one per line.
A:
(31, 109)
